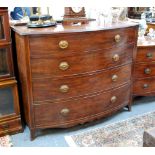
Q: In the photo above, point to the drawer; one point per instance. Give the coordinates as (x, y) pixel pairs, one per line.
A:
(59, 113)
(10, 126)
(142, 70)
(58, 66)
(63, 88)
(144, 86)
(145, 54)
(62, 44)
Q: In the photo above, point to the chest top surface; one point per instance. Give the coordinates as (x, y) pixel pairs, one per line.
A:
(92, 26)
(146, 42)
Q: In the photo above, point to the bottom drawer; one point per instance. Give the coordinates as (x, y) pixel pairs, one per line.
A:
(61, 113)
(144, 86)
(11, 126)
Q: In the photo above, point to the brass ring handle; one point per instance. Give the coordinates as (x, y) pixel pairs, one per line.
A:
(114, 78)
(115, 57)
(63, 44)
(149, 55)
(63, 65)
(113, 99)
(64, 88)
(145, 86)
(147, 70)
(65, 112)
(117, 38)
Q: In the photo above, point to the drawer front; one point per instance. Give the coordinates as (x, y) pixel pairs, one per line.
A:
(143, 70)
(145, 54)
(10, 126)
(62, 44)
(48, 89)
(56, 114)
(79, 64)
(144, 86)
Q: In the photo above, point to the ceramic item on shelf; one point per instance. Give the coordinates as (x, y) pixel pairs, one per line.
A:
(142, 27)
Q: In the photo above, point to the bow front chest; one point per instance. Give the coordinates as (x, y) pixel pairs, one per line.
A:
(74, 74)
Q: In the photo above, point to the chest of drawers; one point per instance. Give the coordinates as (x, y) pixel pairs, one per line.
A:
(71, 75)
(144, 69)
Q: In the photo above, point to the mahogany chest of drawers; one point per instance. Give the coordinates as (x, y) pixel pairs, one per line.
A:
(74, 74)
(144, 68)
(10, 119)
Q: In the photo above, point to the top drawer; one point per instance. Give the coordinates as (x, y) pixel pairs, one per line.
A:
(81, 41)
(145, 54)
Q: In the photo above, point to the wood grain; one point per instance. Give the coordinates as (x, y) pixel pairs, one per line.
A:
(82, 42)
(9, 123)
(91, 106)
(144, 87)
(80, 63)
(91, 65)
(144, 83)
(140, 68)
(145, 54)
(48, 89)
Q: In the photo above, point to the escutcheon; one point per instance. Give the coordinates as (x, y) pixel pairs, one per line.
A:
(114, 78)
(63, 65)
(63, 44)
(147, 71)
(117, 38)
(113, 99)
(64, 88)
(115, 57)
(65, 112)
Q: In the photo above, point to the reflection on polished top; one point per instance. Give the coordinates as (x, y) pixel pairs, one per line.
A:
(147, 41)
(92, 26)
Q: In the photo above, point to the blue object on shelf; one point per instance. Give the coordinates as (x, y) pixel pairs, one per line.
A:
(17, 13)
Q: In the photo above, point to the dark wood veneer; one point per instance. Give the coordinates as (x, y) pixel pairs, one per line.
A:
(6, 27)
(91, 105)
(140, 68)
(48, 44)
(145, 54)
(144, 87)
(48, 89)
(79, 64)
(10, 119)
(144, 69)
(7, 61)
